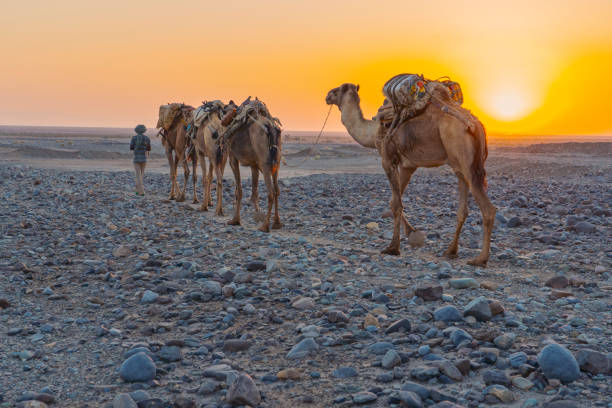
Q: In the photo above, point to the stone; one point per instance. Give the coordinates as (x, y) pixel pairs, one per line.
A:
(124, 401)
(380, 348)
(558, 294)
(450, 370)
(557, 362)
(447, 314)
(418, 389)
(429, 293)
(593, 361)
(391, 359)
(416, 239)
(501, 393)
(424, 373)
(255, 266)
(337, 316)
(304, 348)
(170, 354)
(489, 285)
(370, 320)
(505, 341)
(243, 391)
(514, 222)
(149, 297)
(495, 377)
(292, 374)
(479, 308)
(122, 251)
(522, 383)
(372, 226)
(235, 345)
(181, 401)
(557, 282)
(517, 359)
(459, 336)
(138, 368)
(364, 397)
(410, 399)
(562, 404)
(585, 227)
(463, 283)
(344, 372)
(402, 324)
(303, 303)
(496, 307)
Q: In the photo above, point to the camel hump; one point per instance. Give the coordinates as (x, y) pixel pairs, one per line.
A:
(167, 114)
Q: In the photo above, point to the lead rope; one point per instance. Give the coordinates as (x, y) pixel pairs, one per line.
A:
(314, 144)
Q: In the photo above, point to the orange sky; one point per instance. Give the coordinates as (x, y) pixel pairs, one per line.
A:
(526, 67)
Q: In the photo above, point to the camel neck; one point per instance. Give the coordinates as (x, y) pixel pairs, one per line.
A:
(360, 129)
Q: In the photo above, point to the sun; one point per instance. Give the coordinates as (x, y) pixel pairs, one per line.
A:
(509, 103)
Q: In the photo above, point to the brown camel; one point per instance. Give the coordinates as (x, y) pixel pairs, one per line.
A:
(431, 139)
(258, 146)
(175, 143)
(207, 146)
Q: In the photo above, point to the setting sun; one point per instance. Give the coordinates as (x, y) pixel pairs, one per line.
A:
(508, 104)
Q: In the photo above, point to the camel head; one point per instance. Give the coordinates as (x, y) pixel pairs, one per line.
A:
(336, 95)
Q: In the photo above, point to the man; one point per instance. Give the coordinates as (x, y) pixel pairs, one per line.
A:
(141, 145)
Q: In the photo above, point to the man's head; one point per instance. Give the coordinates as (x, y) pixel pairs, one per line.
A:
(140, 129)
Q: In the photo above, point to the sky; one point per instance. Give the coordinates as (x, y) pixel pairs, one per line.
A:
(526, 67)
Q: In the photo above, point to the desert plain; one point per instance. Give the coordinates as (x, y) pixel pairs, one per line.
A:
(105, 294)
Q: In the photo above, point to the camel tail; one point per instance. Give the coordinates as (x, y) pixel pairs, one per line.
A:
(481, 152)
(273, 144)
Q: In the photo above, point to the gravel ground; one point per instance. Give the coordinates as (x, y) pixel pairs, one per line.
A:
(311, 315)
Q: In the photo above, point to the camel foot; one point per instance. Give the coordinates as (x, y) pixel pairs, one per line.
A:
(277, 225)
(203, 208)
(220, 214)
(264, 228)
(391, 250)
(171, 197)
(478, 262)
(233, 222)
(195, 201)
(450, 253)
(180, 199)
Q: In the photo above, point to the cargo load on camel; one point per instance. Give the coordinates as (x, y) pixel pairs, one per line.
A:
(167, 114)
(408, 95)
(199, 116)
(248, 112)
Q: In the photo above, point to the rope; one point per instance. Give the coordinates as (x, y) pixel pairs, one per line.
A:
(315, 143)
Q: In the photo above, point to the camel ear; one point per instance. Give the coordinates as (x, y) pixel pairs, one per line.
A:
(357, 88)
(344, 88)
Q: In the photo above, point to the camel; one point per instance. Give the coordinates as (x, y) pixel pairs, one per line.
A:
(431, 139)
(207, 145)
(175, 143)
(258, 146)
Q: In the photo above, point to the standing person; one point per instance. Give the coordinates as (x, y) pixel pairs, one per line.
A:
(141, 145)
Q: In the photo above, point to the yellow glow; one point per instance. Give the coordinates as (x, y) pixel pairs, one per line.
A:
(508, 103)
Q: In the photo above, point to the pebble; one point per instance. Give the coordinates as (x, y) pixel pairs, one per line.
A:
(243, 391)
(124, 401)
(138, 368)
(304, 348)
(463, 283)
(429, 293)
(364, 397)
(557, 362)
(344, 372)
(479, 308)
(447, 314)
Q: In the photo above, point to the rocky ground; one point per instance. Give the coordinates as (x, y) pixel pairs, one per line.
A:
(108, 299)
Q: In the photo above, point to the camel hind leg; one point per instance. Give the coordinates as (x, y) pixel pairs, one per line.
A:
(396, 206)
(238, 191)
(405, 176)
(271, 195)
(462, 213)
(254, 188)
(488, 211)
(194, 178)
(209, 179)
(170, 158)
(219, 172)
(276, 224)
(202, 160)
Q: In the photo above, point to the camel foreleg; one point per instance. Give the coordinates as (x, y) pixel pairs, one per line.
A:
(238, 191)
(391, 170)
(462, 213)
